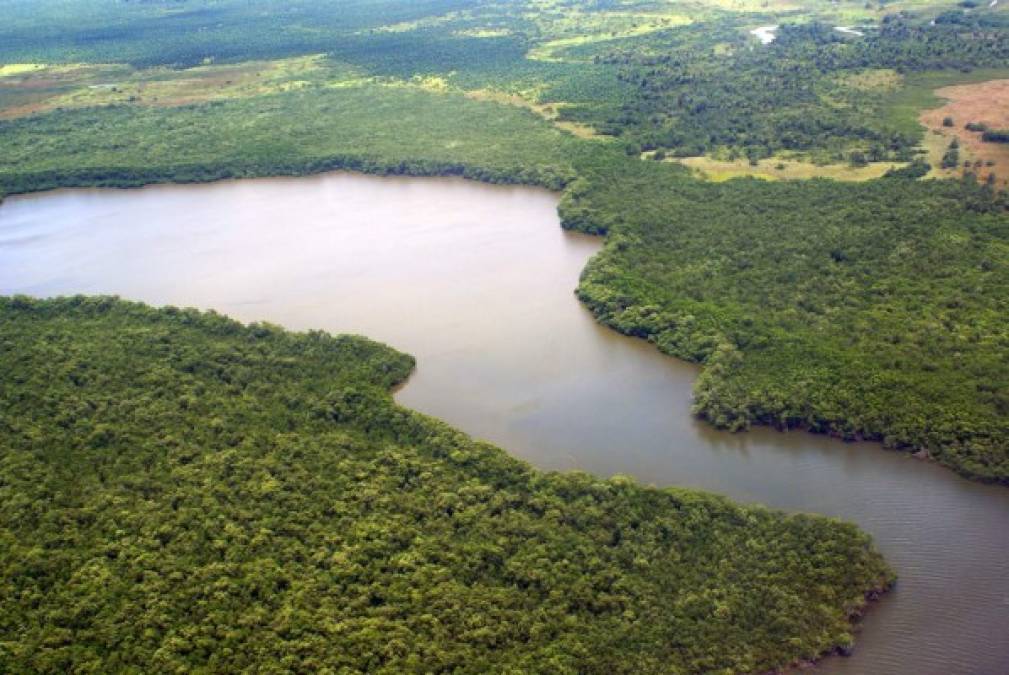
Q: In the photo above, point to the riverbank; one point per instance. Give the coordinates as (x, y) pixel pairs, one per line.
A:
(781, 323)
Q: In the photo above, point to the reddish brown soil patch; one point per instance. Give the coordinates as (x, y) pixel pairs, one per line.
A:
(24, 110)
(985, 102)
(77, 87)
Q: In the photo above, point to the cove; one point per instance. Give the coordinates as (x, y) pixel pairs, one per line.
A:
(476, 281)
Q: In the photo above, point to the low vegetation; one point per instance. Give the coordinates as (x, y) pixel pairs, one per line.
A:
(181, 492)
(782, 168)
(995, 136)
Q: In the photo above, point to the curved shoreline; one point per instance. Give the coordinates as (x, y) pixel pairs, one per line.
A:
(566, 187)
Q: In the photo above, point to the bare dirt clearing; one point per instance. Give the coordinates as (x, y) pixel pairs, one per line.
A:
(984, 102)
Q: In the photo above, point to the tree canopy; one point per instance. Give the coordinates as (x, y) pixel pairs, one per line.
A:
(182, 492)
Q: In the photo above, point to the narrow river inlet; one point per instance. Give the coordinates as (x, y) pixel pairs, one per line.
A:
(476, 281)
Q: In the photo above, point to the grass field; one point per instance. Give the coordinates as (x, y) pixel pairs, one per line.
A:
(920, 92)
(47, 88)
(783, 169)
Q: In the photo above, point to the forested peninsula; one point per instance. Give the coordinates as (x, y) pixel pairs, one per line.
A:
(180, 491)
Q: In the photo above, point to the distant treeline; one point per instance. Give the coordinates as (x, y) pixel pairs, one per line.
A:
(689, 98)
(135, 177)
(293, 134)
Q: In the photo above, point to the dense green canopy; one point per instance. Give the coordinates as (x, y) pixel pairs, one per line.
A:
(874, 310)
(179, 491)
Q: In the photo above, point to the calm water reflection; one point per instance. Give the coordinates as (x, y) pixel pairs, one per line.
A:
(476, 282)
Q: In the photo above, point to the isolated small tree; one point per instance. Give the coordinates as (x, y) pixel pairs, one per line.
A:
(951, 158)
(947, 121)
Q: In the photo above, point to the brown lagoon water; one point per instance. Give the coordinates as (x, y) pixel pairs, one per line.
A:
(476, 281)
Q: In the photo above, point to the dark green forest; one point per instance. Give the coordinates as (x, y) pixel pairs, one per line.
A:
(285, 134)
(182, 492)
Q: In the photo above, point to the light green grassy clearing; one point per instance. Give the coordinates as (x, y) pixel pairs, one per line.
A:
(19, 68)
(548, 50)
(776, 168)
